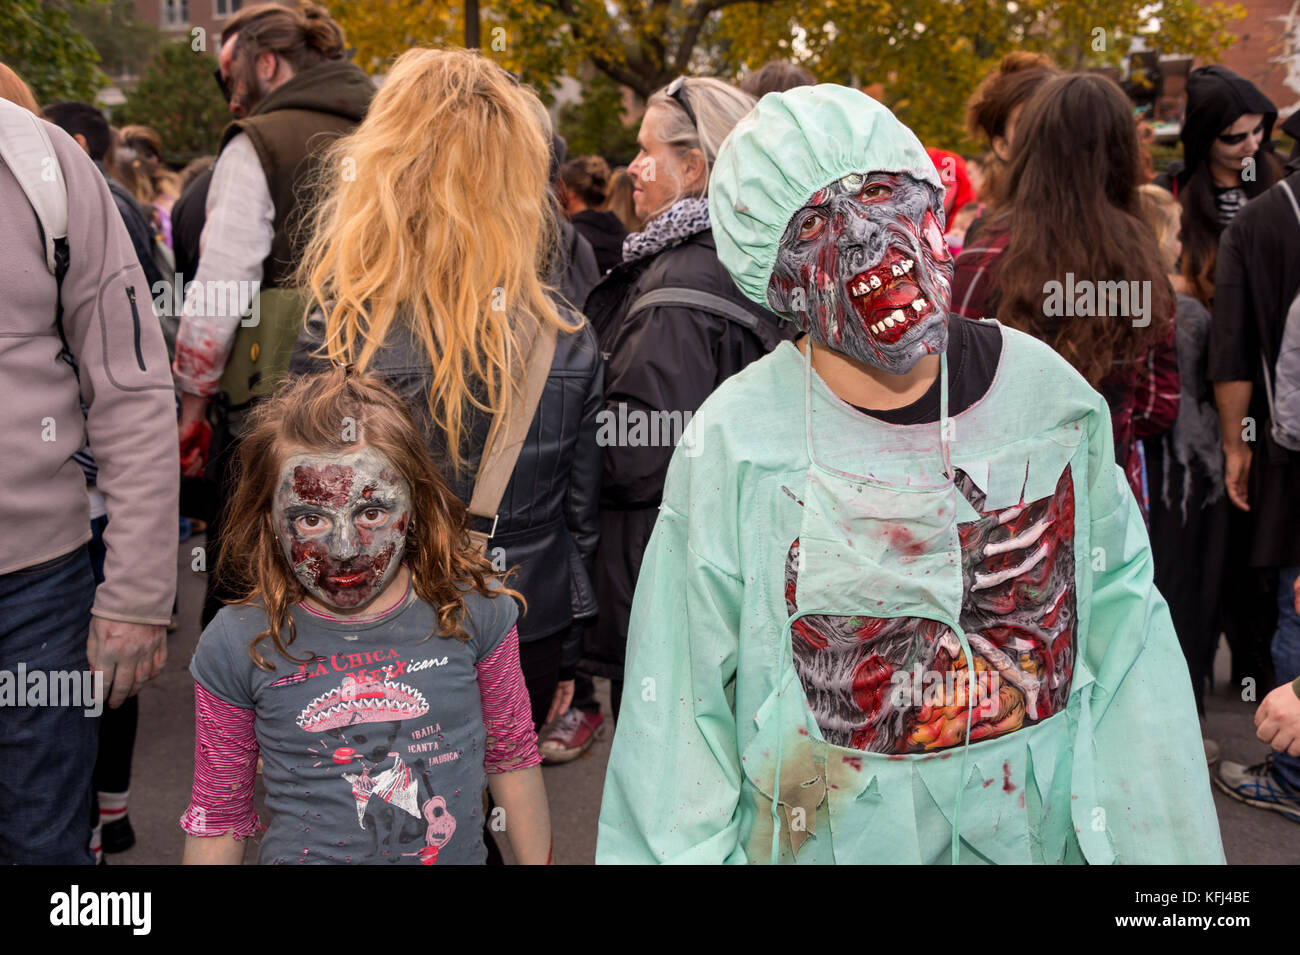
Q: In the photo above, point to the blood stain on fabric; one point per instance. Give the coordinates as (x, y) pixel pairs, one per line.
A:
(1007, 785)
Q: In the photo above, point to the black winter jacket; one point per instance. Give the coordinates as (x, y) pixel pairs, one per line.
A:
(662, 359)
(189, 213)
(575, 272)
(606, 232)
(547, 522)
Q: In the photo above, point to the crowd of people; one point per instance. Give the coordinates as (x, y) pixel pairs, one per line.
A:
(901, 495)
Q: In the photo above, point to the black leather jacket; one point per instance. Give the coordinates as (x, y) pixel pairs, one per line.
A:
(548, 522)
(664, 358)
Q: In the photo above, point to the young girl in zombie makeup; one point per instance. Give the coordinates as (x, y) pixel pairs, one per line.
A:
(373, 663)
(440, 293)
(906, 613)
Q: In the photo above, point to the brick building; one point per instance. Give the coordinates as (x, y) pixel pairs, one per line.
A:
(1268, 50)
(177, 18)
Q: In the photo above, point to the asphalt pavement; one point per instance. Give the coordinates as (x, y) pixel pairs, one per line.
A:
(164, 763)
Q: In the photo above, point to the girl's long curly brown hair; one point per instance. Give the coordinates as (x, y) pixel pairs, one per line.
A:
(337, 413)
(1074, 208)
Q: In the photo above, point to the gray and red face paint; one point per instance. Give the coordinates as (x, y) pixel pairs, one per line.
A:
(342, 521)
(863, 269)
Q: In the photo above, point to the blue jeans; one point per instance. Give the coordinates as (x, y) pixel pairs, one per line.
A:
(1286, 658)
(47, 753)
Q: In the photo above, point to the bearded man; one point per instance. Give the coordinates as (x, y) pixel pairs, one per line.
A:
(898, 604)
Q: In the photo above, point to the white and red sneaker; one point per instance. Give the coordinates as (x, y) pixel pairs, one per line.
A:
(571, 736)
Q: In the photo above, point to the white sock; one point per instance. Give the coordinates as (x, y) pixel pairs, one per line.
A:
(112, 806)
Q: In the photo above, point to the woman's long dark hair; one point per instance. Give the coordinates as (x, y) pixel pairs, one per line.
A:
(1074, 208)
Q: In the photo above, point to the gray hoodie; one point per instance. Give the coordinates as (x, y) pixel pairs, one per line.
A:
(125, 384)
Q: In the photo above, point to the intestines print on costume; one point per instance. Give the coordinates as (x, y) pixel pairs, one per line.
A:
(899, 685)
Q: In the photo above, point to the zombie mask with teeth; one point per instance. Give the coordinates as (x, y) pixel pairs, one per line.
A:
(863, 268)
(342, 520)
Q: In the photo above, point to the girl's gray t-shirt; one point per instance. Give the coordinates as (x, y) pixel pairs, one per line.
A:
(373, 740)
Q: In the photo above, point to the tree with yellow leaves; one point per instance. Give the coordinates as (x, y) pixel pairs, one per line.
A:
(926, 55)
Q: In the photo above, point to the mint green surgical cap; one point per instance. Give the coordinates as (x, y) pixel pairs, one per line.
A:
(789, 146)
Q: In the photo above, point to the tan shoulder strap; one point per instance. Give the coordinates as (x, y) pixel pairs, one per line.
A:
(499, 458)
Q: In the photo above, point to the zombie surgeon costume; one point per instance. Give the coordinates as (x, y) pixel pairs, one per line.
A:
(860, 641)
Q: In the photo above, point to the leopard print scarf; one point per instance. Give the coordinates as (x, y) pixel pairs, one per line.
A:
(682, 219)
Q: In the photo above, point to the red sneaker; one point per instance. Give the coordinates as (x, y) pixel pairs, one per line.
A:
(571, 736)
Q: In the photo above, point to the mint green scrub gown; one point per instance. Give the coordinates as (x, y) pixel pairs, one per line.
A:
(719, 754)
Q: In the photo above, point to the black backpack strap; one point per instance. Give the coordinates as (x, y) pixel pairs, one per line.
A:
(694, 298)
(61, 259)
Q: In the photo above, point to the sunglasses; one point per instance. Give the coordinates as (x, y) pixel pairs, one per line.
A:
(221, 82)
(677, 90)
(1231, 139)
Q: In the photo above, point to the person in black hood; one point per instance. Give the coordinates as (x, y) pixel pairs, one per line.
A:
(1227, 161)
(1257, 281)
(584, 182)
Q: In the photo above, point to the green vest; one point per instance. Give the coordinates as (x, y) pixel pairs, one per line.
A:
(289, 129)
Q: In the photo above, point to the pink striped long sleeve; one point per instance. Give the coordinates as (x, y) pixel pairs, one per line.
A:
(511, 738)
(225, 769)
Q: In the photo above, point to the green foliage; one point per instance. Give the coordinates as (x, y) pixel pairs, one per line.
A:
(40, 44)
(924, 56)
(594, 125)
(122, 41)
(1162, 154)
(928, 55)
(178, 97)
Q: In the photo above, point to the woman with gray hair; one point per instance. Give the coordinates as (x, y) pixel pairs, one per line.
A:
(672, 326)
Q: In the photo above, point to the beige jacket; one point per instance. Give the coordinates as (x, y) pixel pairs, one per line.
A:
(126, 386)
